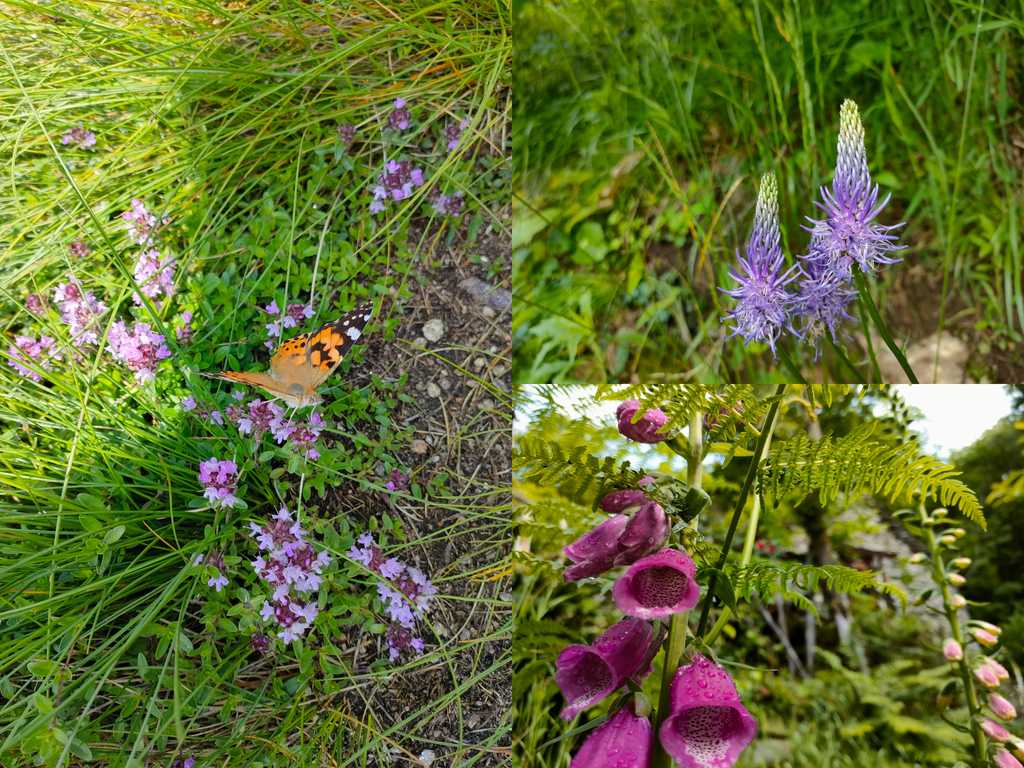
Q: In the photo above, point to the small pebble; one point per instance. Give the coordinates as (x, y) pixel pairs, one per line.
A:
(433, 390)
(433, 330)
(419, 447)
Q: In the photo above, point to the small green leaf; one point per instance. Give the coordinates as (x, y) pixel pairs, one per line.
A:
(43, 704)
(113, 534)
(42, 667)
(724, 591)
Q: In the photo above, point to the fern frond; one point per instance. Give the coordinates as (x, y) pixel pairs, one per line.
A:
(860, 463)
(578, 475)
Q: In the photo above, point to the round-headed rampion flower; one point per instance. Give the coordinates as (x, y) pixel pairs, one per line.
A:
(952, 651)
(708, 726)
(624, 741)
(1002, 708)
(981, 637)
(849, 236)
(762, 302)
(820, 304)
(140, 348)
(646, 428)
(1005, 760)
(995, 731)
(220, 479)
(589, 673)
(620, 501)
(658, 585)
(27, 350)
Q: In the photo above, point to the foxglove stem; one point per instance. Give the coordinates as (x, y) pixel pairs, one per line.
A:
(748, 482)
(676, 642)
(971, 694)
(883, 329)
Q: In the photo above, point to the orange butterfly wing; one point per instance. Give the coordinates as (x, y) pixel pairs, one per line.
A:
(327, 346)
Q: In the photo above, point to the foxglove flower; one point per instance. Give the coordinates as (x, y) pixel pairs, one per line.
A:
(992, 629)
(399, 117)
(646, 429)
(1002, 708)
(995, 731)
(220, 479)
(987, 675)
(952, 651)
(1005, 760)
(981, 637)
(27, 350)
(80, 310)
(589, 673)
(961, 563)
(658, 585)
(619, 540)
(645, 533)
(763, 304)
(140, 348)
(620, 501)
(154, 275)
(80, 137)
(708, 726)
(624, 741)
(849, 237)
(958, 601)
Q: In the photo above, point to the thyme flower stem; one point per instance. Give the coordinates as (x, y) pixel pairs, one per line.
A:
(974, 708)
(748, 482)
(676, 642)
(865, 294)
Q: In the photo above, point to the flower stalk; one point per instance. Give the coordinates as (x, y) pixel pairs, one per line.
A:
(883, 329)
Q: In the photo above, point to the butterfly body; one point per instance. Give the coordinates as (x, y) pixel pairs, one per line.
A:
(301, 364)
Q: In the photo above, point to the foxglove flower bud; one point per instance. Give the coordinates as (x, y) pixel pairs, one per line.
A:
(917, 558)
(956, 579)
(997, 669)
(995, 731)
(1005, 760)
(620, 501)
(647, 428)
(984, 638)
(595, 551)
(958, 601)
(589, 673)
(708, 726)
(987, 675)
(1002, 708)
(958, 533)
(989, 627)
(947, 540)
(645, 534)
(960, 563)
(624, 741)
(658, 586)
(952, 651)
(762, 307)
(940, 512)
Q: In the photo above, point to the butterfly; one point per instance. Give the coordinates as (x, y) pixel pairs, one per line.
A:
(304, 362)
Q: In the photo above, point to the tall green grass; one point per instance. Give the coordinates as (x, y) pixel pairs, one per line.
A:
(224, 117)
(640, 132)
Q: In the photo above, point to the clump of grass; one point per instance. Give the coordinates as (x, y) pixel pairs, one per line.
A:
(639, 132)
(235, 124)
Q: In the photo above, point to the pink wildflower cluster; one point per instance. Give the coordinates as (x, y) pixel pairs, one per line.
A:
(80, 310)
(220, 480)
(397, 481)
(399, 118)
(154, 275)
(396, 182)
(261, 416)
(36, 304)
(140, 348)
(293, 569)
(79, 248)
(447, 205)
(405, 591)
(39, 351)
(141, 224)
(453, 133)
(183, 332)
(80, 137)
(292, 315)
(347, 133)
(215, 561)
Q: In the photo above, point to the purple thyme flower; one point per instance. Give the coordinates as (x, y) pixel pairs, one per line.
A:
(292, 315)
(257, 421)
(80, 137)
(447, 205)
(220, 479)
(40, 352)
(293, 569)
(260, 642)
(36, 304)
(154, 275)
(848, 234)
(80, 310)
(399, 117)
(396, 182)
(140, 348)
(184, 331)
(79, 248)
(141, 224)
(453, 132)
(762, 308)
(215, 560)
(397, 481)
(347, 133)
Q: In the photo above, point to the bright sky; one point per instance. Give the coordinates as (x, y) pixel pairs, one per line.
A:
(955, 415)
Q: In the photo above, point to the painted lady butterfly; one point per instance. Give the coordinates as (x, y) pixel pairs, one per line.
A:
(304, 362)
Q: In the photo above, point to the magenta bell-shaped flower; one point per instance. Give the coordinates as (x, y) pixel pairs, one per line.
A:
(658, 585)
(952, 651)
(1005, 760)
(646, 428)
(708, 726)
(620, 501)
(625, 741)
(645, 533)
(995, 731)
(595, 551)
(1002, 708)
(589, 673)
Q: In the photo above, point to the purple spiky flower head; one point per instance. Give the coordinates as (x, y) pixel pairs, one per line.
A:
(821, 301)
(708, 726)
(762, 303)
(849, 234)
(589, 673)
(624, 741)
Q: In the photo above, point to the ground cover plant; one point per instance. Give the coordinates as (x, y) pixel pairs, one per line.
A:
(202, 572)
(756, 576)
(640, 137)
